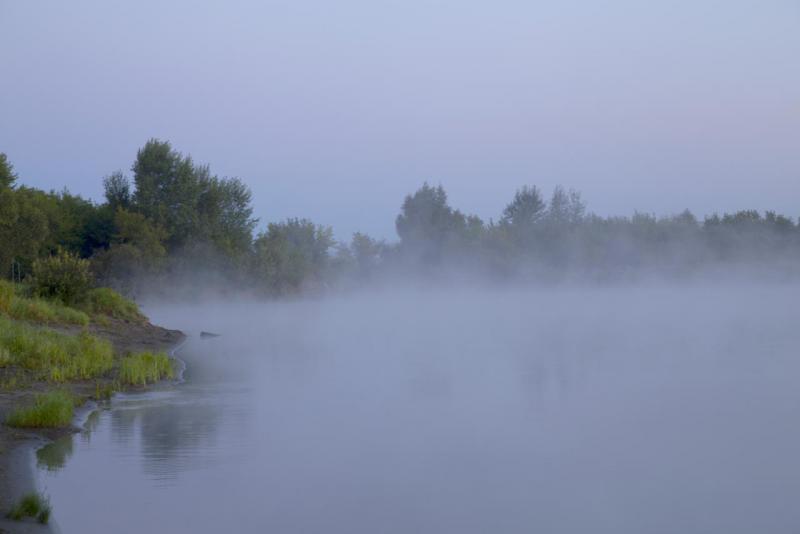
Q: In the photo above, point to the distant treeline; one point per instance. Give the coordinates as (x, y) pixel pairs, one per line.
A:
(174, 219)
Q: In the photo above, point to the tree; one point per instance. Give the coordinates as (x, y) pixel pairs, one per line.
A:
(117, 189)
(225, 217)
(525, 210)
(168, 189)
(366, 253)
(7, 175)
(429, 228)
(292, 255)
(192, 205)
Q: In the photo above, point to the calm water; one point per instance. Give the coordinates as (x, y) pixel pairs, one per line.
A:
(619, 410)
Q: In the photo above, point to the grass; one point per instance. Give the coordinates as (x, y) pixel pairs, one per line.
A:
(16, 305)
(100, 303)
(47, 312)
(49, 410)
(144, 368)
(103, 301)
(32, 505)
(57, 357)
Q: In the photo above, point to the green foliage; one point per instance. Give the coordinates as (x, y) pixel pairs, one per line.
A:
(526, 209)
(190, 203)
(16, 306)
(62, 276)
(178, 218)
(144, 368)
(49, 410)
(105, 301)
(7, 174)
(430, 229)
(117, 189)
(34, 505)
(292, 254)
(55, 356)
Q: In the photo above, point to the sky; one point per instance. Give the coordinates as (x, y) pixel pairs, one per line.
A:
(335, 110)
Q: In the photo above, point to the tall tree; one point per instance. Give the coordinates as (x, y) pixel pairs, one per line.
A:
(7, 174)
(117, 190)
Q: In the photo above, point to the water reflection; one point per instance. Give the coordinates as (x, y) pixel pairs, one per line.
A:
(53, 456)
(172, 433)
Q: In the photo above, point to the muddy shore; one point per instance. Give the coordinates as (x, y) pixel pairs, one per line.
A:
(18, 446)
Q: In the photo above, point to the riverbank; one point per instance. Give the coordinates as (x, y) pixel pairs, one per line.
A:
(17, 445)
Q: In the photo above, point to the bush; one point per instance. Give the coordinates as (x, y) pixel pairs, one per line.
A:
(63, 276)
(145, 367)
(105, 301)
(49, 410)
(32, 505)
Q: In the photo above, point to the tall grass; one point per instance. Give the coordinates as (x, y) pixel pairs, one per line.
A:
(145, 367)
(49, 410)
(32, 505)
(58, 357)
(105, 301)
(14, 304)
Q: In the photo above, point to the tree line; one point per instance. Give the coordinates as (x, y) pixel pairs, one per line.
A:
(173, 218)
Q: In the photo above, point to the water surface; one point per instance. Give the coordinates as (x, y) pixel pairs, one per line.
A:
(642, 410)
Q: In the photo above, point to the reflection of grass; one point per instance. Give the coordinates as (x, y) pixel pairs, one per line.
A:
(32, 505)
(59, 357)
(49, 410)
(54, 455)
(145, 367)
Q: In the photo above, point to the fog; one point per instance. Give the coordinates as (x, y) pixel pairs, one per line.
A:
(628, 408)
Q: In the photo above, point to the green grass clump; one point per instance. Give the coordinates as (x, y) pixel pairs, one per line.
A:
(145, 367)
(43, 311)
(105, 301)
(32, 505)
(49, 410)
(58, 357)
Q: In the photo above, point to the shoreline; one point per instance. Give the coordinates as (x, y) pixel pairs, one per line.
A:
(18, 446)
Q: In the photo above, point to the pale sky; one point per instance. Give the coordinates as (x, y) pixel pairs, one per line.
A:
(334, 110)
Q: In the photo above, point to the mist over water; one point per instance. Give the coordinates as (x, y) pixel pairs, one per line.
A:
(647, 408)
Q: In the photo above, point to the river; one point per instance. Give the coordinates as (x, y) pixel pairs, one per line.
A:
(650, 409)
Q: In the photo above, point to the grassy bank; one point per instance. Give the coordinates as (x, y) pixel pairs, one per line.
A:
(49, 410)
(51, 355)
(45, 344)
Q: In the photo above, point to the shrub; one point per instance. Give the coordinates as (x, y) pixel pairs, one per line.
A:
(145, 367)
(49, 410)
(63, 276)
(105, 301)
(32, 505)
